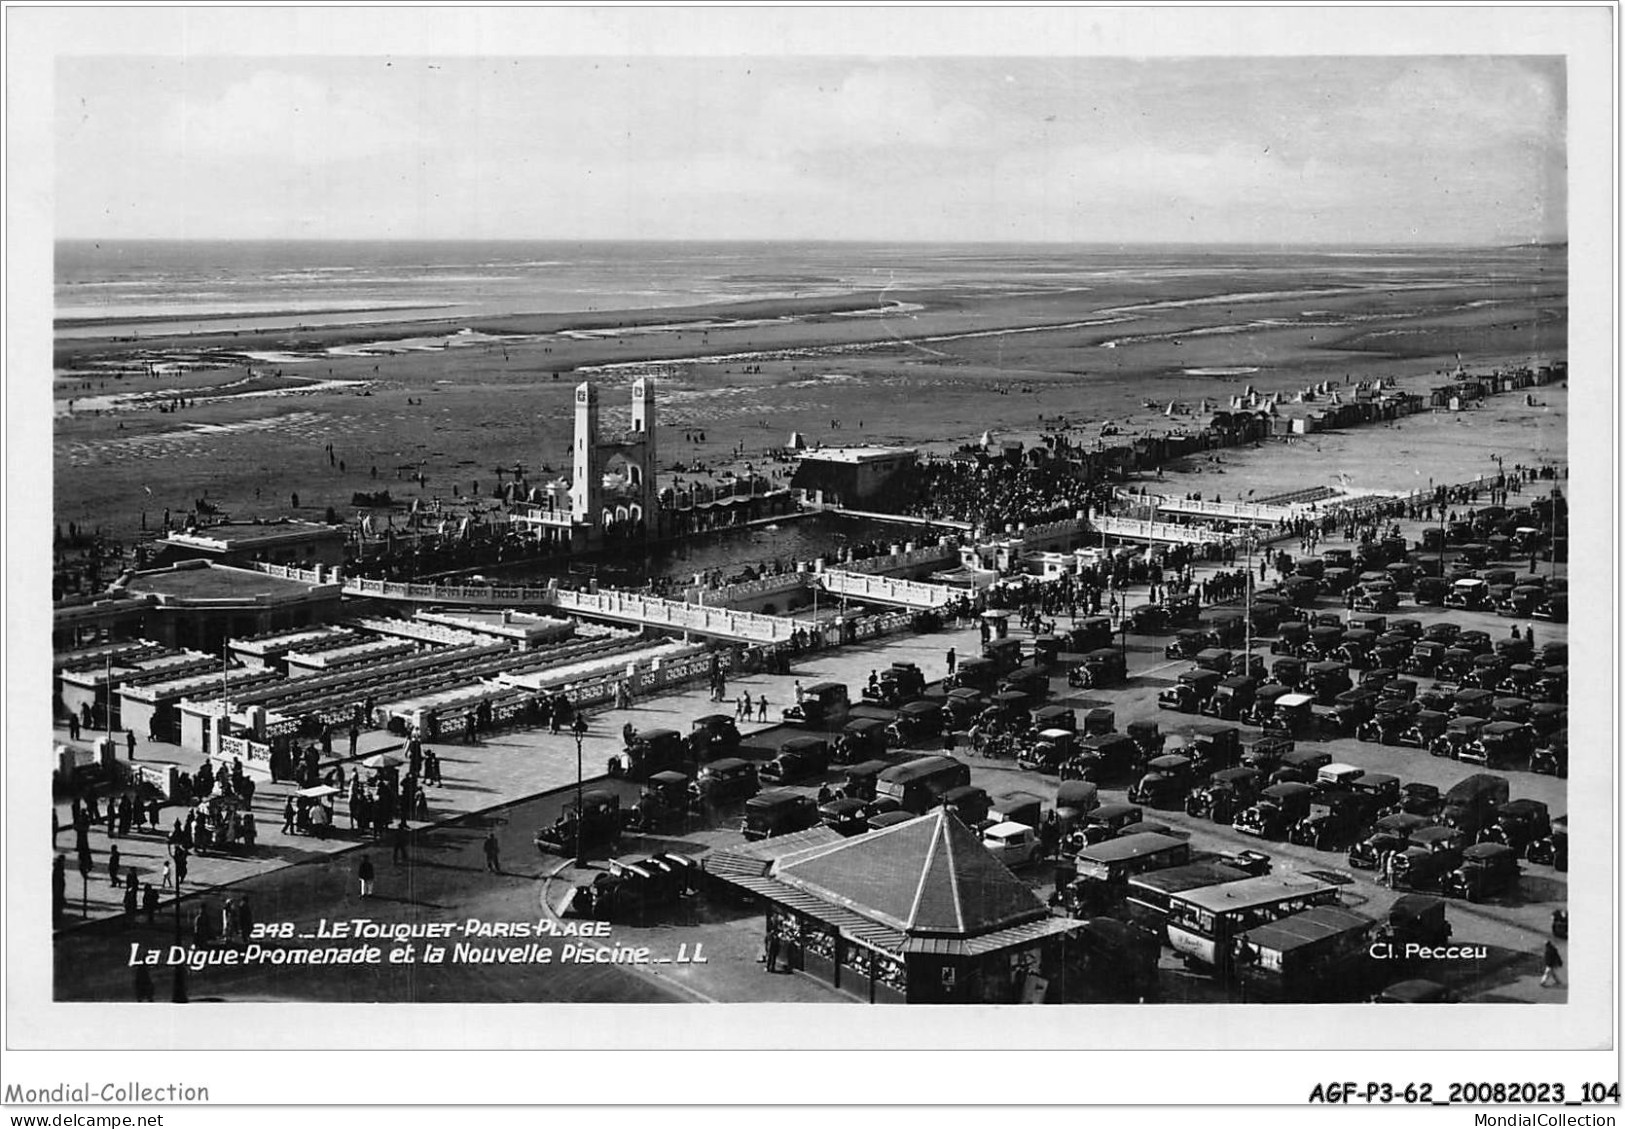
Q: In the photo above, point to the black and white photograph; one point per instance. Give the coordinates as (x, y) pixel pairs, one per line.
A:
(1085, 531)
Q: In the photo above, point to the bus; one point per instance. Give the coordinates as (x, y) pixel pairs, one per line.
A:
(1148, 893)
(1102, 870)
(1319, 955)
(1203, 924)
(1116, 860)
(915, 785)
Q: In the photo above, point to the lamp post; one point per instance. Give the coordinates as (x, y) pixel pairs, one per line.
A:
(581, 810)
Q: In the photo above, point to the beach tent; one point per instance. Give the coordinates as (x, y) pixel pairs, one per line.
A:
(797, 442)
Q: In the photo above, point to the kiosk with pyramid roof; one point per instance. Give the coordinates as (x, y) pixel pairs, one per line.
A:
(915, 913)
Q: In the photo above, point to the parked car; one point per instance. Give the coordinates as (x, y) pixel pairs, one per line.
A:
(714, 735)
(822, 704)
(1100, 669)
(1014, 844)
(1226, 793)
(1192, 689)
(1553, 849)
(596, 821)
(1486, 869)
(1426, 727)
(778, 813)
(1102, 757)
(1518, 824)
(846, 817)
(1434, 852)
(649, 752)
(861, 739)
(916, 725)
(1460, 734)
(798, 759)
(1278, 807)
(1417, 798)
(1166, 781)
(1390, 834)
(1500, 743)
(1334, 817)
(1551, 755)
(727, 779)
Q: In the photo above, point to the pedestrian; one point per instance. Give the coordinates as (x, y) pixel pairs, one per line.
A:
(129, 742)
(493, 860)
(1551, 960)
(129, 901)
(952, 661)
(761, 708)
(398, 853)
(169, 875)
(149, 899)
(799, 691)
(112, 865)
(180, 865)
(771, 957)
(287, 816)
(364, 872)
(431, 767)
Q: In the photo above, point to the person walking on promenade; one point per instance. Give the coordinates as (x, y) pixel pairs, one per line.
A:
(169, 875)
(431, 767)
(149, 899)
(952, 661)
(180, 866)
(761, 710)
(364, 872)
(1551, 960)
(355, 736)
(493, 860)
(129, 742)
(398, 852)
(112, 865)
(130, 904)
(288, 816)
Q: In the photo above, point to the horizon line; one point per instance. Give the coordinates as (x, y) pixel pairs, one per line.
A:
(1533, 242)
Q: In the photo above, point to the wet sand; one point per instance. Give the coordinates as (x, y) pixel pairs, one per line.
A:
(935, 370)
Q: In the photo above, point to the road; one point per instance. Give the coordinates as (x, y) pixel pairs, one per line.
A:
(445, 881)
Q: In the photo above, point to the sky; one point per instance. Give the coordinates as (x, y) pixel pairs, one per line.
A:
(1272, 150)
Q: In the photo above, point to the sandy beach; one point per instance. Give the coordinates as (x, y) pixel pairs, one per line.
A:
(933, 369)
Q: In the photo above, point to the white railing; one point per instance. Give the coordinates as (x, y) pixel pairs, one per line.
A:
(1153, 530)
(889, 589)
(929, 554)
(654, 611)
(1236, 511)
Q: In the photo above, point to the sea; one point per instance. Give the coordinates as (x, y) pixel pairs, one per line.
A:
(104, 287)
